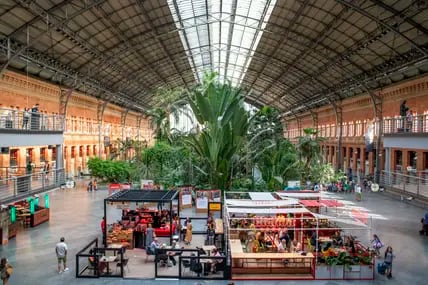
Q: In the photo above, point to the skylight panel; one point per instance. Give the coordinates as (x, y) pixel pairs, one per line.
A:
(224, 40)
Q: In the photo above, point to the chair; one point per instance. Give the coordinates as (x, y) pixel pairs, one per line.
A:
(186, 264)
(124, 263)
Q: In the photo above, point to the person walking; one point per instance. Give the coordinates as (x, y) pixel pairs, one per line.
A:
(188, 238)
(149, 235)
(94, 185)
(389, 257)
(103, 230)
(61, 254)
(376, 244)
(5, 270)
(26, 118)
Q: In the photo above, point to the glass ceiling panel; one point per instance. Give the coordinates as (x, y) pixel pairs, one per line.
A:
(221, 35)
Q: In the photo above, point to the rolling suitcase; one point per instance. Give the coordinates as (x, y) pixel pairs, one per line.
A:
(381, 268)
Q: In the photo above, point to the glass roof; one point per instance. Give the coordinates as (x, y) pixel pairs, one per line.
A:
(221, 35)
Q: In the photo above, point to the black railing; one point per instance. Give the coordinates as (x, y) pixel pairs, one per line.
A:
(190, 264)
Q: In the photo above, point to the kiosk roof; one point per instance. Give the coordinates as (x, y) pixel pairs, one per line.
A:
(143, 195)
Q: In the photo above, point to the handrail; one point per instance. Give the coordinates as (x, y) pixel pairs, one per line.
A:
(16, 119)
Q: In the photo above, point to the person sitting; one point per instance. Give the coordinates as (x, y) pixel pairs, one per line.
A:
(101, 265)
(295, 246)
(282, 247)
(337, 239)
(216, 263)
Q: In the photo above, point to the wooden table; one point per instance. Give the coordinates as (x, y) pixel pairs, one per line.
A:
(208, 248)
(219, 227)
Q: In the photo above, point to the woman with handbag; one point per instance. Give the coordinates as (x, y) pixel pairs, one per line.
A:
(5, 270)
(376, 244)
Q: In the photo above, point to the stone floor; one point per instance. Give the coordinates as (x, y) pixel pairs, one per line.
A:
(76, 215)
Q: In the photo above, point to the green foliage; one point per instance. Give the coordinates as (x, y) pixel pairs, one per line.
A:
(163, 163)
(309, 151)
(219, 108)
(167, 102)
(109, 170)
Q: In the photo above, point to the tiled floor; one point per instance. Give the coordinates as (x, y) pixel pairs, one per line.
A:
(76, 215)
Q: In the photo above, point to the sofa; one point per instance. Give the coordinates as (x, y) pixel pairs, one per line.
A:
(164, 231)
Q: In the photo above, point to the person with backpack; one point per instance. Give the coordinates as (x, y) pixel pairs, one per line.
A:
(5, 270)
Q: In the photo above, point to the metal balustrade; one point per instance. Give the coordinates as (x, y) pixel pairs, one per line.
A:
(14, 187)
(14, 119)
(412, 183)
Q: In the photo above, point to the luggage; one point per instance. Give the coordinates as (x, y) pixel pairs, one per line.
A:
(381, 268)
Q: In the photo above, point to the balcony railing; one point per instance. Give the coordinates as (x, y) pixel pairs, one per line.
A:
(14, 187)
(413, 183)
(416, 124)
(13, 119)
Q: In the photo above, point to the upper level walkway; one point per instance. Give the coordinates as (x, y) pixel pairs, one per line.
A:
(20, 120)
(76, 215)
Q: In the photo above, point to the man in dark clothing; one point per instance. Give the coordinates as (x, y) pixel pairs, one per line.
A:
(403, 112)
(35, 117)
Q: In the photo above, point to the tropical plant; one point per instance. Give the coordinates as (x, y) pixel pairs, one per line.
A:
(219, 109)
(268, 150)
(109, 170)
(167, 102)
(309, 151)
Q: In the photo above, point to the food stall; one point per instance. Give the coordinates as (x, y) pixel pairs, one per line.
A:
(137, 211)
(254, 228)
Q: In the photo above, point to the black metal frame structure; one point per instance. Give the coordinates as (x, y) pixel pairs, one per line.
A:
(141, 196)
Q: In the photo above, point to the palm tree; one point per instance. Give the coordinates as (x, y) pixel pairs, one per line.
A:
(309, 150)
(219, 109)
(167, 102)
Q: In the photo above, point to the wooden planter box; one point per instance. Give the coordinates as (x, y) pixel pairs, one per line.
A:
(12, 230)
(40, 216)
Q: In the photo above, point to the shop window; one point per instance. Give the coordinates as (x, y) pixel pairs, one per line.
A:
(94, 150)
(412, 159)
(54, 154)
(88, 149)
(43, 154)
(81, 151)
(29, 155)
(13, 159)
(398, 160)
(73, 152)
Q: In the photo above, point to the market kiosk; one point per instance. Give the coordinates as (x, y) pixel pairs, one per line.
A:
(140, 208)
(264, 221)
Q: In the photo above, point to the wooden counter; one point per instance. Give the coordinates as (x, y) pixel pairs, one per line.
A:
(269, 263)
(40, 216)
(219, 227)
(12, 230)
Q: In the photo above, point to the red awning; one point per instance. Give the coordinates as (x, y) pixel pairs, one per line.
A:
(331, 203)
(310, 203)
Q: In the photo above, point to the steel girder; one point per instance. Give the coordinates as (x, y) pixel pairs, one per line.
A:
(337, 107)
(412, 57)
(67, 72)
(152, 27)
(230, 35)
(177, 10)
(394, 27)
(39, 37)
(123, 116)
(57, 24)
(401, 15)
(284, 37)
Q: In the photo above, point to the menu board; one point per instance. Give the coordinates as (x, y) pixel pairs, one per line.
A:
(185, 196)
(205, 196)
